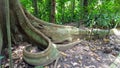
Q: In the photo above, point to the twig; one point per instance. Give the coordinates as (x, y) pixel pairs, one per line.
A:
(55, 65)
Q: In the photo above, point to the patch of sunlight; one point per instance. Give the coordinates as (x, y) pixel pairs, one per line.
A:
(116, 63)
(67, 3)
(115, 31)
(98, 4)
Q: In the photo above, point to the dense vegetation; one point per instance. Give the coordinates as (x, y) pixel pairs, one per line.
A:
(97, 13)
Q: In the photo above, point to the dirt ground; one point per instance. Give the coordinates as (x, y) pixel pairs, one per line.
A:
(98, 53)
(90, 53)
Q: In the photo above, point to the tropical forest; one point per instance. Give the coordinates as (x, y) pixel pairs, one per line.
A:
(60, 34)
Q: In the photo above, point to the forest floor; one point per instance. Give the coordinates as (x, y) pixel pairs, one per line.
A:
(97, 53)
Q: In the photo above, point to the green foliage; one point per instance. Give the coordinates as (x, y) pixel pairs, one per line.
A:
(103, 14)
(63, 10)
(28, 5)
(100, 13)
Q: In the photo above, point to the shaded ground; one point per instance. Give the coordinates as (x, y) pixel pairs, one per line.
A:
(90, 54)
(100, 53)
(97, 53)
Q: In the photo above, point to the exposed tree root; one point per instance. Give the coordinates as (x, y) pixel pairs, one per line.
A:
(46, 34)
(38, 37)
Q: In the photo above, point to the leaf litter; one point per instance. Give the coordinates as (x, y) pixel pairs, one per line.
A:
(98, 53)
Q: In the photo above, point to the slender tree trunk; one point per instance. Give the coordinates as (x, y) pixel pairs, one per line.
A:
(7, 18)
(85, 4)
(82, 8)
(5, 26)
(1, 24)
(52, 16)
(84, 11)
(62, 11)
(48, 10)
(72, 11)
(35, 7)
(81, 13)
(2, 17)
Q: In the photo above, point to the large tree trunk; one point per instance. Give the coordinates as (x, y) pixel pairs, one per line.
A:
(25, 24)
(39, 32)
(20, 21)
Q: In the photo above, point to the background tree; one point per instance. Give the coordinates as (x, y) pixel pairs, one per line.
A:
(72, 10)
(53, 6)
(35, 5)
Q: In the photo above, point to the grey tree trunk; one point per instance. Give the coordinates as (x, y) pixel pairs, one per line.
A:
(2, 17)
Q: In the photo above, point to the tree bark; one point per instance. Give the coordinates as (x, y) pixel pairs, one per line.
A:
(2, 19)
(85, 4)
(7, 18)
(72, 11)
(1, 24)
(53, 5)
(39, 34)
(34, 2)
(62, 4)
